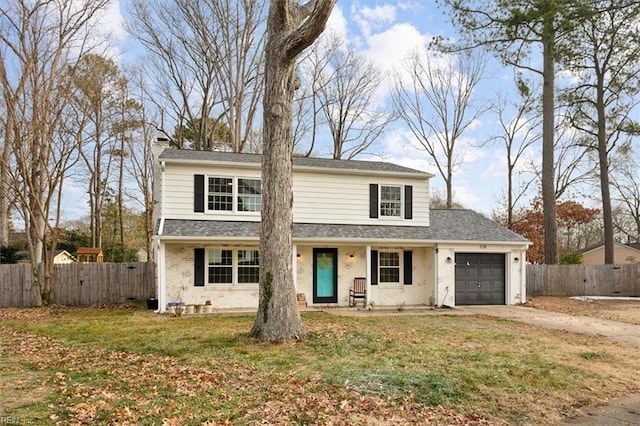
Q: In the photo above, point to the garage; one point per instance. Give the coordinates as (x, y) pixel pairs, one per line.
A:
(480, 279)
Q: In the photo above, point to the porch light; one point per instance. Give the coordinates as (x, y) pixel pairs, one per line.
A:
(351, 256)
(515, 259)
(449, 259)
(298, 255)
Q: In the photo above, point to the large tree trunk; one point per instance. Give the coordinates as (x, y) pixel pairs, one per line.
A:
(5, 187)
(548, 122)
(290, 29)
(603, 160)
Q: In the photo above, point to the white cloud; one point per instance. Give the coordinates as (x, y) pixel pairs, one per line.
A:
(111, 21)
(469, 198)
(390, 47)
(372, 18)
(337, 23)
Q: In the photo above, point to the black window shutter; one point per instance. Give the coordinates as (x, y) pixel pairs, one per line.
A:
(408, 202)
(408, 267)
(198, 193)
(198, 267)
(374, 267)
(373, 200)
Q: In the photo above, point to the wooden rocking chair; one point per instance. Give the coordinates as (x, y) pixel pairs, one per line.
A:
(359, 291)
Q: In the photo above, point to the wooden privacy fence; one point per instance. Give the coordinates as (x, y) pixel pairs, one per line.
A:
(583, 280)
(80, 284)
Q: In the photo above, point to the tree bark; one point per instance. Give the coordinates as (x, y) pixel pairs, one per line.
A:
(290, 29)
(603, 160)
(548, 122)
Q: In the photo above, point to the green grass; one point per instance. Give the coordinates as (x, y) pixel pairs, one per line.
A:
(132, 364)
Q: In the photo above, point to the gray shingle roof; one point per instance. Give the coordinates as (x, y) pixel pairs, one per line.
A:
(446, 225)
(325, 163)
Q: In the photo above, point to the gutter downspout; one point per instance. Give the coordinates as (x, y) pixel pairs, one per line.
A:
(523, 277)
(435, 278)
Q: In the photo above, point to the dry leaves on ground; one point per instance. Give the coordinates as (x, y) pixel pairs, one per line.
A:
(94, 384)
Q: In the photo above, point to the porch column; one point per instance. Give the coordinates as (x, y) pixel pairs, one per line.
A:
(368, 275)
(294, 265)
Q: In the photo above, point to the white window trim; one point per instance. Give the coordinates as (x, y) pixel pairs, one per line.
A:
(234, 269)
(380, 215)
(207, 194)
(234, 195)
(400, 268)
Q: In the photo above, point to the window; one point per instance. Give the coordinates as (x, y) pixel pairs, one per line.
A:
(389, 262)
(220, 194)
(220, 267)
(248, 267)
(249, 195)
(390, 201)
(222, 197)
(226, 266)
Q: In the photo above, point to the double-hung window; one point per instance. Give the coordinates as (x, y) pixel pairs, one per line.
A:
(220, 266)
(220, 196)
(249, 195)
(229, 266)
(228, 194)
(390, 201)
(389, 267)
(248, 267)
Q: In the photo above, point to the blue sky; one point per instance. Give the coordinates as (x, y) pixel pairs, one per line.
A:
(385, 31)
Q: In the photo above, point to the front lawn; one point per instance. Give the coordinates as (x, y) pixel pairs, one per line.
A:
(129, 366)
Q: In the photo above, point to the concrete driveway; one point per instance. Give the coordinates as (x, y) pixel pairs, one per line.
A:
(614, 330)
(622, 412)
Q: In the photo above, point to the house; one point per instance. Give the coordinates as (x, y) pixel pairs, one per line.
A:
(90, 255)
(351, 219)
(622, 253)
(63, 256)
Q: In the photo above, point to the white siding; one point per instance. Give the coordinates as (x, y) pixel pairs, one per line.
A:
(179, 196)
(344, 199)
(318, 197)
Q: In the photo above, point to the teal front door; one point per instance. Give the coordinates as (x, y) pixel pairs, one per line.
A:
(325, 275)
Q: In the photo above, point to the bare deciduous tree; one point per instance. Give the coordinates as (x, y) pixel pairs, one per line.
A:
(38, 39)
(140, 162)
(435, 97)
(519, 132)
(291, 28)
(626, 185)
(344, 86)
(205, 59)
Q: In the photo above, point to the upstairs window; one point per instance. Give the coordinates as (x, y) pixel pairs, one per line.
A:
(227, 194)
(390, 201)
(220, 196)
(249, 195)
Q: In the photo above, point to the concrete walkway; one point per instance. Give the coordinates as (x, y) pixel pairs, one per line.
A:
(621, 412)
